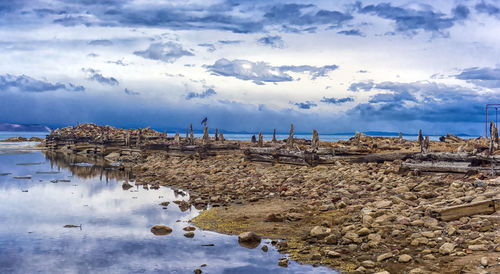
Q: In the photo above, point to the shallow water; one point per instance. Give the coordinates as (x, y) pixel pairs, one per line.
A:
(115, 234)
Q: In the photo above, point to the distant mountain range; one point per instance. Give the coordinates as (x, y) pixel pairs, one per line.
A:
(21, 127)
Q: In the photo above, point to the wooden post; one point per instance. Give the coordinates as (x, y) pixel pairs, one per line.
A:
(420, 138)
(426, 144)
(139, 136)
(261, 139)
(187, 134)
(177, 139)
(127, 139)
(205, 134)
(400, 135)
(221, 136)
(216, 134)
(191, 134)
(315, 140)
(290, 136)
(274, 136)
(254, 140)
(494, 136)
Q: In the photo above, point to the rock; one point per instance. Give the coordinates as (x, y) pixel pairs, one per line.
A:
(189, 228)
(165, 204)
(404, 258)
(360, 269)
(112, 157)
(484, 261)
(320, 231)
(126, 186)
(368, 264)
(364, 231)
(198, 271)
(478, 247)
(332, 254)
(249, 239)
(383, 204)
(264, 248)
(189, 234)
(383, 272)
(446, 248)
(384, 256)
(274, 217)
(331, 239)
(160, 230)
(283, 262)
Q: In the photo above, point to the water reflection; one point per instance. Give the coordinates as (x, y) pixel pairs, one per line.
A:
(115, 234)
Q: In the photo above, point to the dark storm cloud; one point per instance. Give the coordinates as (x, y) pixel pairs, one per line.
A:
(230, 42)
(102, 42)
(366, 85)
(207, 93)
(304, 105)
(272, 41)
(130, 92)
(408, 20)
(336, 101)
(260, 72)
(485, 77)
(167, 52)
(487, 8)
(23, 83)
(210, 47)
(352, 32)
(298, 15)
(95, 75)
(424, 101)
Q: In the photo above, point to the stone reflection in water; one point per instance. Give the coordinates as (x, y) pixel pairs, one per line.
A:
(88, 167)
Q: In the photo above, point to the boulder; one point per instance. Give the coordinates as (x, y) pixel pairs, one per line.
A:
(160, 230)
(320, 231)
(249, 239)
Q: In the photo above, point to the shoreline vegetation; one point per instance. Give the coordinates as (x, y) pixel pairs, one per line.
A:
(365, 205)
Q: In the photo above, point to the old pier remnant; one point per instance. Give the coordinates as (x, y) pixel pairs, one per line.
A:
(315, 140)
(221, 136)
(261, 139)
(274, 136)
(205, 134)
(139, 136)
(494, 137)
(290, 137)
(191, 136)
(216, 134)
(177, 139)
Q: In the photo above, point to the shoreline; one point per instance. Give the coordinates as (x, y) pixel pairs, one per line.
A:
(368, 204)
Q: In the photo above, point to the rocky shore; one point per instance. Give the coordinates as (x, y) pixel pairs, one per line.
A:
(365, 205)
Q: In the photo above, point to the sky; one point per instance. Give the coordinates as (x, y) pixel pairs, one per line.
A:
(251, 65)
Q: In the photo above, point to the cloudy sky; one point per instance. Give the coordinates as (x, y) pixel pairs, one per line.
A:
(251, 65)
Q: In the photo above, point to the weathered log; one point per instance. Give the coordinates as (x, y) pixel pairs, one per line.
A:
(290, 137)
(221, 136)
(315, 140)
(191, 134)
(457, 212)
(205, 134)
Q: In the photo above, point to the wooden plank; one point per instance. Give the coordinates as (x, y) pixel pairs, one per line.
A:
(457, 212)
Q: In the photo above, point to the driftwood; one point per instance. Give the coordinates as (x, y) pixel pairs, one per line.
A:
(457, 212)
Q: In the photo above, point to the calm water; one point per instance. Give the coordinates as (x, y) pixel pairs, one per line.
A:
(115, 232)
(240, 136)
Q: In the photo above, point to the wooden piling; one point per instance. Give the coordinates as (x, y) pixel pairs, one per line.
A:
(315, 140)
(274, 136)
(216, 134)
(261, 139)
(290, 137)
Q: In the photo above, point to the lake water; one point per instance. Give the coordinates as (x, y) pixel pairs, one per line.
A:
(238, 136)
(115, 235)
